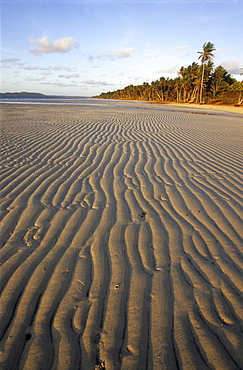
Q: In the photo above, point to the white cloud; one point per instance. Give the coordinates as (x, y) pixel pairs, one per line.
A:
(151, 54)
(73, 75)
(11, 60)
(96, 83)
(219, 50)
(59, 68)
(120, 53)
(60, 84)
(43, 45)
(232, 66)
(141, 78)
(46, 73)
(172, 69)
(179, 48)
(30, 79)
(31, 68)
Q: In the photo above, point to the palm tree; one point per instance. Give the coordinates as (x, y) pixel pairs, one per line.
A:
(206, 56)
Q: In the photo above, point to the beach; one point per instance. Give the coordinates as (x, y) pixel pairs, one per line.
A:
(121, 236)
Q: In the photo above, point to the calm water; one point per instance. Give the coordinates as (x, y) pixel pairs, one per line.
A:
(57, 101)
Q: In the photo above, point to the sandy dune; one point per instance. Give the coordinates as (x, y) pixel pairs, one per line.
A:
(122, 238)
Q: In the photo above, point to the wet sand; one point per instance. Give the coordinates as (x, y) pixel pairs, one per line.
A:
(121, 237)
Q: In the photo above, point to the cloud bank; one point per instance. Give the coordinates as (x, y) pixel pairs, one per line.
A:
(179, 48)
(219, 50)
(68, 77)
(95, 83)
(43, 45)
(172, 69)
(11, 60)
(120, 53)
(232, 66)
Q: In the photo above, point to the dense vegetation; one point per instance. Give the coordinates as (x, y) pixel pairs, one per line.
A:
(195, 84)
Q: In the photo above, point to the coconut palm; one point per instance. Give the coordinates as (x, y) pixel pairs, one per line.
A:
(220, 82)
(206, 56)
(237, 87)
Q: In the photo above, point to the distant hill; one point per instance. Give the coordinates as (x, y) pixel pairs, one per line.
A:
(34, 95)
(21, 95)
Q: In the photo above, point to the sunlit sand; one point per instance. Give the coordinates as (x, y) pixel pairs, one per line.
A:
(121, 237)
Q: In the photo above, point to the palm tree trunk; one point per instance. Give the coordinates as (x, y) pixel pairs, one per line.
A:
(162, 93)
(201, 89)
(240, 98)
(193, 95)
(197, 94)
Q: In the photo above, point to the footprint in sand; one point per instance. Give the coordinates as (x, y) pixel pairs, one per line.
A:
(31, 237)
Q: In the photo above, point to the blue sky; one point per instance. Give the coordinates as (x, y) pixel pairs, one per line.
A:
(85, 47)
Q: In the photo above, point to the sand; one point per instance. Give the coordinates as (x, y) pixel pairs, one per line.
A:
(223, 109)
(122, 237)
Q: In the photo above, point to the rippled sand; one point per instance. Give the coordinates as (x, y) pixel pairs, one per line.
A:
(122, 237)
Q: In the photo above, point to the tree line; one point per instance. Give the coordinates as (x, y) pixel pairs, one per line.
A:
(197, 83)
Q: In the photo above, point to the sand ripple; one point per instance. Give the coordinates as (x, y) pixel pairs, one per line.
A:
(121, 239)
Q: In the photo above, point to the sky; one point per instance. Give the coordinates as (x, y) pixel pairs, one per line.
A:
(86, 47)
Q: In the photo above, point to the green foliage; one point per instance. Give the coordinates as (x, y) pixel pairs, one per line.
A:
(207, 54)
(195, 83)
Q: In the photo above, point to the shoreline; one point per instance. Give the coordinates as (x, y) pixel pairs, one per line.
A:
(191, 107)
(226, 108)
